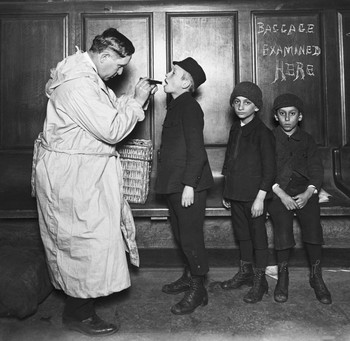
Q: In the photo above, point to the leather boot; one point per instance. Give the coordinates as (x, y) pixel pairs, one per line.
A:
(244, 276)
(195, 297)
(281, 289)
(260, 287)
(317, 283)
(180, 285)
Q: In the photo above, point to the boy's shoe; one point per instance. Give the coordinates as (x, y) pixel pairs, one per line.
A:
(260, 287)
(281, 289)
(317, 283)
(180, 285)
(196, 296)
(244, 276)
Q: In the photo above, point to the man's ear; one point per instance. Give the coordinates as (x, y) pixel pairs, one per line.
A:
(276, 117)
(256, 109)
(103, 56)
(300, 117)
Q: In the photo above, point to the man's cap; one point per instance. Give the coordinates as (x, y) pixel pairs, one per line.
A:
(194, 69)
(248, 90)
(288, 100)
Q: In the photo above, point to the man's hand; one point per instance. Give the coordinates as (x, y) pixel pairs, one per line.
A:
(187, 198)
(143, 90)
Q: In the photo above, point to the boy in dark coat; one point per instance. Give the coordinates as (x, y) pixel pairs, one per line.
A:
(184, 176)
(299, 178)
(249, 171)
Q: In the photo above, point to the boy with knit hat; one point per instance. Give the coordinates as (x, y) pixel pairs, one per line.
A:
(249, 170)
(299, 178)
(184, 176)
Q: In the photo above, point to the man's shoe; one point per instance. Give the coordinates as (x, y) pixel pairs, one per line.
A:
(92, 326)
(180, 285)
(244, 276)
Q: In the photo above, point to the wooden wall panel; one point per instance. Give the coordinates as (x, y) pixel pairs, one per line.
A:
(137, 28)
(30, 46)
(288, 58)
(210, 38)
(344, 42)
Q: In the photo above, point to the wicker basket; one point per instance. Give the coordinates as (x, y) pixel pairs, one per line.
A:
(136, 160)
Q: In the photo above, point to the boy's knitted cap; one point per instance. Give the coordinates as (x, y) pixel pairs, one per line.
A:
(194, 69)
(288, 100)
(248, 90)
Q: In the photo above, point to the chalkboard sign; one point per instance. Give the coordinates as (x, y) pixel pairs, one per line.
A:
(288, 58)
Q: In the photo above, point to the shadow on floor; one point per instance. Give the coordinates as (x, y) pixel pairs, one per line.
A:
(143, 312)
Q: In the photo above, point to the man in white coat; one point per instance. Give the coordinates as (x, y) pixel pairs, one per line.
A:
(78, 178)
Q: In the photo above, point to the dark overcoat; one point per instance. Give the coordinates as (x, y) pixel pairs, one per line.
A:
(250, 163)
(182, 158)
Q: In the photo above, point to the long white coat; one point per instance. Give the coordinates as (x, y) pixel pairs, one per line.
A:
(78, 180)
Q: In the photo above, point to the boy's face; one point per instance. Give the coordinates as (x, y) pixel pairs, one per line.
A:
(244, 108)
(175, 84)
(288, 118)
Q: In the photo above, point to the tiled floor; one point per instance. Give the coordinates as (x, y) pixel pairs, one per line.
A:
(143, 312)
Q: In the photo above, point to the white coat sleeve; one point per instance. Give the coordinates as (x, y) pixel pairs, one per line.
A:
(107, 118)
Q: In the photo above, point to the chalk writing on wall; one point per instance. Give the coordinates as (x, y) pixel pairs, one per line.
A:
(289, 48)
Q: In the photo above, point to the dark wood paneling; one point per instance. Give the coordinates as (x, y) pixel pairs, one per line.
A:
(210, 38)
(222, 35)
(344, 35)
(138, 28)
(30, 46)
(288, 58)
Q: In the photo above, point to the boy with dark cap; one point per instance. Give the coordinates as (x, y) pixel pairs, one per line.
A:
(299, 178)
(249, 171)
(184, 176)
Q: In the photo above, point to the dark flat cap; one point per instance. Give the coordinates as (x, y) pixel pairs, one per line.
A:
(194, 69)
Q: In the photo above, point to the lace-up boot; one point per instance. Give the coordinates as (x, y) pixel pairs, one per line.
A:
(281, 289)
(180, 285)
(317, 283)
(244, 276)
(259, 288)
(196, 296)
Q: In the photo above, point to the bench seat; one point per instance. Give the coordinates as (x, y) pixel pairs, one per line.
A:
(16, 202)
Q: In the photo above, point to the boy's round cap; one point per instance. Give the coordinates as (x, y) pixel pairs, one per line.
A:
(194, 69)
(248, 90)
(288, 100)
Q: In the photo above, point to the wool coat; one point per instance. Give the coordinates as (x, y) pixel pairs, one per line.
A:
(298, 159)
(182, 158)
(250, 163)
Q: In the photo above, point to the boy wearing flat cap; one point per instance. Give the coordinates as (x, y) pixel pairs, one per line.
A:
(299, 178)
(184, 176)
(249, 170)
